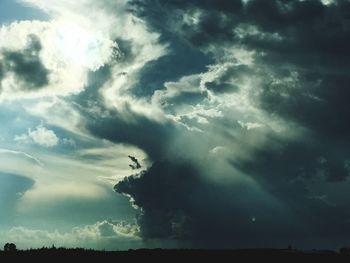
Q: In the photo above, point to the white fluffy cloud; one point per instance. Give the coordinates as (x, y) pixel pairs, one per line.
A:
(40, 135)
(101, 235)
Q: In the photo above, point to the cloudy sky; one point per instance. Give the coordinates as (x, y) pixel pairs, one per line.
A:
(175, 123)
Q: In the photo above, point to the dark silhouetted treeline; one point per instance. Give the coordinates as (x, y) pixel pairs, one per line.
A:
(52, 252)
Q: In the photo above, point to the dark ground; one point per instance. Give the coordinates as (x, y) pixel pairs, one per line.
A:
(145, 254)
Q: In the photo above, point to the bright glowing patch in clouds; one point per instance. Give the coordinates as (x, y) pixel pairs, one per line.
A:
(75, 42)
(45, 59)
(83, 47)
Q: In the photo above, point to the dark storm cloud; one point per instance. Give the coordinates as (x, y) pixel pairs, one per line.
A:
(305, 38)
(26, 65)
(300, 57)
(135, 129)
(178, 203)
(313, 33)
(213, 25)
(123, 126)
(1, 72)
(135, 165)
(154, 190)
(287, 171)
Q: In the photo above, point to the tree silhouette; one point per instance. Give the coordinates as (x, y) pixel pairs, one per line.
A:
(10, 247)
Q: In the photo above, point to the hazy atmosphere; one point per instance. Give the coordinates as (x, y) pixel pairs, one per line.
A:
(175, 123)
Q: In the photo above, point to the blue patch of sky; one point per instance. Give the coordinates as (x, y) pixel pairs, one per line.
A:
(11, 188)
(65, 214)
(12, 10)
(14, 120)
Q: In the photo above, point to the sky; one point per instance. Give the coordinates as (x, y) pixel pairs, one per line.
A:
(175, 124)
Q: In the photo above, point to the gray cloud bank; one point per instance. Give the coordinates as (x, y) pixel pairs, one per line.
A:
(294, 55)
(26, 65)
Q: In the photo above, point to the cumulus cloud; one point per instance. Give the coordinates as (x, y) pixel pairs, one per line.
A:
(40, 135)
(109, 235)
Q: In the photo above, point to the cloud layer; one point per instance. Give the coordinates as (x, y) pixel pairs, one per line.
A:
(232, 115)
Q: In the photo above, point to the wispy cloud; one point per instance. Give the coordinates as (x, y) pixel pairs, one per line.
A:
(19, 153)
